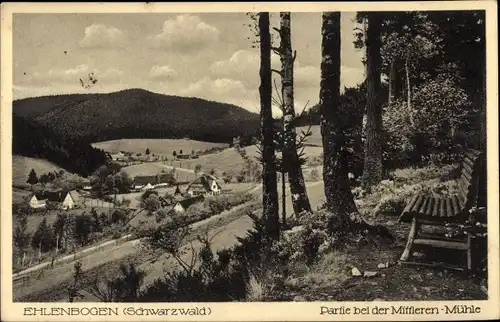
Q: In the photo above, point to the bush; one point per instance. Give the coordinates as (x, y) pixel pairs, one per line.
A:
(148, 193)
(118, 216)
(152, 203)
(43, 238)
(83, 228)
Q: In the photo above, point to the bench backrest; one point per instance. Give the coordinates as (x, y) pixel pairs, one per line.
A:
(468, 184)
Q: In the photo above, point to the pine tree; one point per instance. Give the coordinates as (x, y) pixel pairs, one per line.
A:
(32, 178)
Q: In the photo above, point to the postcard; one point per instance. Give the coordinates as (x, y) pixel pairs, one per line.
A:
(268, 161)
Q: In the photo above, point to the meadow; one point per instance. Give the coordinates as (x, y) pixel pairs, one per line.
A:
(163, 147)
(21, 167)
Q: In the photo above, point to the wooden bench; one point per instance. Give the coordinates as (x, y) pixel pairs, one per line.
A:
(428, 210)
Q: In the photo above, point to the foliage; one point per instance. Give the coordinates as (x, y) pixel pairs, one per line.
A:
(34, 140)
(441, 110)
(197, 168)
(20, 237)
(148, 193)
(151, 203)
(478, 232)
(75, 285)
(32, 178)
(43, 238)
(83, 228)
(118, 216)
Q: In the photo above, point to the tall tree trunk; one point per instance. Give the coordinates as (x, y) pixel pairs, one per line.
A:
(269, 180)
(300, 201)
(372, 172)
(338, 194)
(482, 193)
(392, 76)
(408, 91)
(283, 197)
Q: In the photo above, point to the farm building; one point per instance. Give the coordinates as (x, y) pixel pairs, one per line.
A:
(182, 205)
(58, 199)
(206, 185)
(150, 182)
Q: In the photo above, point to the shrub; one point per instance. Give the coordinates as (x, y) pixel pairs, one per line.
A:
(151, 203)
(43, 238)
(148, 193)
(118, 216)
(83, 228)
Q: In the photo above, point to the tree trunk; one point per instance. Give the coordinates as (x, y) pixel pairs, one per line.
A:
(408, 91)
(269, 180)
(40, 251)
(23, 259)
(300, 200)
(372, 172)
(283, 197)
(338, 194)
(482, 193)
(392, 76)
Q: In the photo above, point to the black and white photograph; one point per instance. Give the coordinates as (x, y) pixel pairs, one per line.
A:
(251, 156)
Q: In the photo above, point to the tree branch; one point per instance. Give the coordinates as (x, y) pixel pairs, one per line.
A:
(277, 72)
(277, 50)
(294, 56)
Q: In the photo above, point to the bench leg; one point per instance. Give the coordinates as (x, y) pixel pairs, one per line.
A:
(469, 252)
(415, 227)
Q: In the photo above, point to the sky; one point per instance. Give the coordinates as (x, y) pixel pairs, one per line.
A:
(206, 55)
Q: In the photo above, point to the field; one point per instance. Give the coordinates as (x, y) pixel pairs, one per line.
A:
(230, 161)
(164, 147)
(21, 167)
(153, 168)
(19, 195)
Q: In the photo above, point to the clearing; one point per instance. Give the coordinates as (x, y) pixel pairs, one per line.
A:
(153, 168)
(21, 167)
(164, 147)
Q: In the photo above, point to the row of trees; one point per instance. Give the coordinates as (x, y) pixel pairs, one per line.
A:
(67, 232)
(430, 84)
(34, 140)
(435, 90)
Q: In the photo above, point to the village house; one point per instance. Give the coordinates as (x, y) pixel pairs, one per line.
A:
(206, 185)
(182, 205)
(58, 199)
(155, 181)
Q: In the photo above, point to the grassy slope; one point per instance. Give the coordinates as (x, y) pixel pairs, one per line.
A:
(21, 167)
(164, 147)
(153, 168)
(230, 161)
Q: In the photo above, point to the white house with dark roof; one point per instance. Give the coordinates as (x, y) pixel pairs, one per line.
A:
(206, 185)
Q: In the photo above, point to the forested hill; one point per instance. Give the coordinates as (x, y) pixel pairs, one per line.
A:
(138, 113)
(33, 140)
